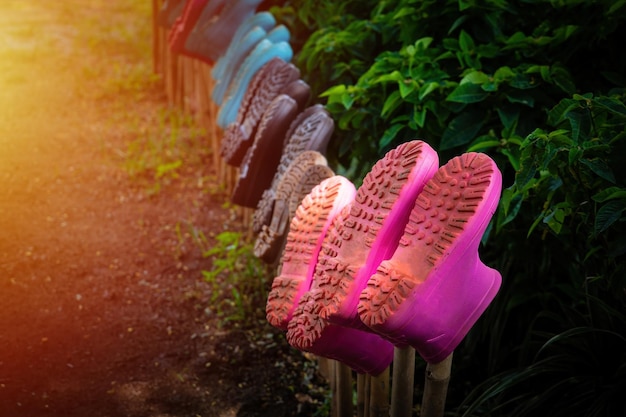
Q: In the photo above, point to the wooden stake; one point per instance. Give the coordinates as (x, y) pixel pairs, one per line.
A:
(402, 382)
(345, 407)
(436, 388)
(156, 47)
(379, 396)
(362, 394)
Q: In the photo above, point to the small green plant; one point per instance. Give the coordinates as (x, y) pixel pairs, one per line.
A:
(160, 151)
(238, 281)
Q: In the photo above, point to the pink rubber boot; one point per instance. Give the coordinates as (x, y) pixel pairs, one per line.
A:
(368, 233)
(304, 240)
(362, 351)
(434, 288)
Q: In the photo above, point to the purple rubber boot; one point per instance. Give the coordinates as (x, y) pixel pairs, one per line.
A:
(361, 238)
(364, 352)
(434, 287)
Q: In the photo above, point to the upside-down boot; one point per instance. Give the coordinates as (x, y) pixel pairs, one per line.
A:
(184, 25)
(363, 351)
(261, 160)
(311, 130)
(313, 176)
(304, 241)
(265, 86)
(434, 288)
(263, 52)
(269, 241)
(170, 11)
(247, 35)
(263, 20)
(277, 34)
(214, 30)
(369, 232)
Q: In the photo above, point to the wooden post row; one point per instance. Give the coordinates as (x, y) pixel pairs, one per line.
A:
(188, 85)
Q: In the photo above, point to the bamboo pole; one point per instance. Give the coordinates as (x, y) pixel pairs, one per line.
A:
(379, 395)
(343, 375)
(156, 47)
(363, 382)
(402, 382)
(436, 388)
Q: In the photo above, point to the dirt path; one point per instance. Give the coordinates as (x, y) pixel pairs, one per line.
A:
(103, 309)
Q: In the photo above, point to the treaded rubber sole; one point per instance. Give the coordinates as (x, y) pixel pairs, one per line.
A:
(262, 159)
(274, 219)
(265, 86)
(313, 176)
(441, 237)
(305, 133)
(360, 239)
(306, 234)
(299, 91)
(364, 352)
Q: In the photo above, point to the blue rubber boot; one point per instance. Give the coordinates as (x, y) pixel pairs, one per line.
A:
(261, 54)
(263, 20)
(213, 34)
(245, 47)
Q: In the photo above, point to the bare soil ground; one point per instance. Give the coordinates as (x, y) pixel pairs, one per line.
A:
(103, 307)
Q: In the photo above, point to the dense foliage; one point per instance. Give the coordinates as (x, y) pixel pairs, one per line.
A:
(540, 86)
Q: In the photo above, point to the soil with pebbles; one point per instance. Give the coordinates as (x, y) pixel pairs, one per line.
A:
(103, 307)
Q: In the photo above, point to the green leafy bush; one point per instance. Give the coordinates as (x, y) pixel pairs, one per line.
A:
(540, 86)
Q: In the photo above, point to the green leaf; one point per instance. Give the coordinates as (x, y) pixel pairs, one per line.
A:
(167, 168)
(610, 193)
(562, 79)
(512, 209)
(559, 112)
(608, 214)
(509, 115)
(599, 167)
(522, 82)
(555, 219)
(344, 121)
(426, 89)
(465, 4)
(522, 97)
(466, 42)
(347, 100)
(404, 11)
(475, 77)
(393, 76)
(613, 105)
(574, 155)
(485, 144)
(503, 74)
(423, 43)
(462, 130)
(335, 90)
(460, 20)
(406, 87)
(467, 93)
(527, 172)
(389, 135)
(419, 116)
(393, 101)
(513, 157)
(580, 120)
(616, 6)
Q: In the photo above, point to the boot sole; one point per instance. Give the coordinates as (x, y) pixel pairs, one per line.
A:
(434, 288)
(369, 233)
(304, 240)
